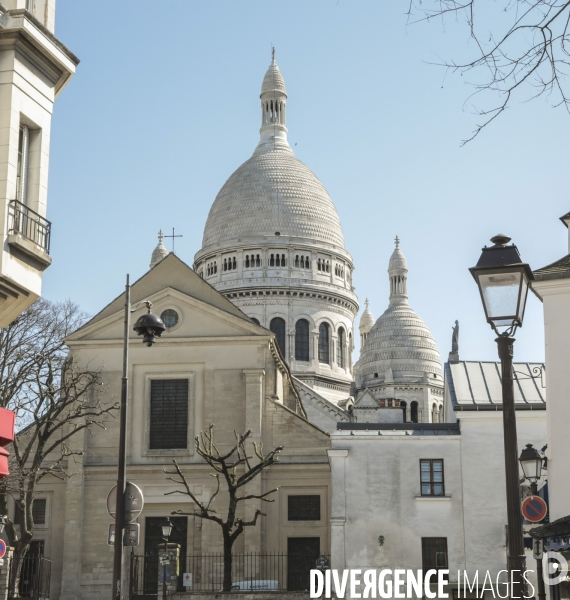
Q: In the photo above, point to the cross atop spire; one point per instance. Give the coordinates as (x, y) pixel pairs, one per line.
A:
(366, 302)
(160, 236)
(397, 241)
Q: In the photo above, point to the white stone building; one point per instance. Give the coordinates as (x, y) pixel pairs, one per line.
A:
(399, 365)
(273, 245)
(34, 68)
(432, 495)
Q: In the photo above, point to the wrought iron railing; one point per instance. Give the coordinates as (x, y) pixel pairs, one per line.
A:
(29, 224)
(251, 572)
(35, 578)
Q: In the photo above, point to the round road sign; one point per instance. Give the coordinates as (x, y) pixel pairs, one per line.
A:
(534, 509)
(2, 548)
(134, 502)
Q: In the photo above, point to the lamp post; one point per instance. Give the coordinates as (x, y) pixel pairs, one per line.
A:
(503, 280)
(531, 463)
(149, 326)
(166, 531)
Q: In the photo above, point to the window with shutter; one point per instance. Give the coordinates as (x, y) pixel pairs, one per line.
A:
(168, 414)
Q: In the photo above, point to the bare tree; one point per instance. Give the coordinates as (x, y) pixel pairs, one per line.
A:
(54, 398)
(237, 470)
(517, 44)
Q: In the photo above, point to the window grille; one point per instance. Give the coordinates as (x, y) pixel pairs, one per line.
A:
(434, 553)
(304, 508)
(340, 348)
(302, 340)
(324, 343)
(168, 414)
(277, 326)
(39, 508)
(431, 477)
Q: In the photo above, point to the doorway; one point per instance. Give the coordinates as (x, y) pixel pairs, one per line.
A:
(302, 554)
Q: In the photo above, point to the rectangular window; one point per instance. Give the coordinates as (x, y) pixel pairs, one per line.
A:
(38, 512)
(168, 414)
(304, 508)
(434, 553)
(431, 477)
(23, 164)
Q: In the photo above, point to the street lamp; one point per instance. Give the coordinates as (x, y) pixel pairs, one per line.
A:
(166, 531)
(149, 326)
(531, 463)
(503, 281)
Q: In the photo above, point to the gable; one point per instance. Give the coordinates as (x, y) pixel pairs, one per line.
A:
(173, 273)
(367, 400)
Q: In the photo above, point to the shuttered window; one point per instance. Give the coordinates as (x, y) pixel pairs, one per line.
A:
(168, 414)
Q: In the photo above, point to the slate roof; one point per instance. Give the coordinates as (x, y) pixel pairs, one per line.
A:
(475, 385)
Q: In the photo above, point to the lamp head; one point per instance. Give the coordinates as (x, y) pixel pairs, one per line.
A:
(503, 281)
(149, 326)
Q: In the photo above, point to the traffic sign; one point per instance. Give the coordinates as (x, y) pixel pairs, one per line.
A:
(187, 579)
(134, 502)
(131, 535)
(2, 548)
(165, 559)
(534, 509)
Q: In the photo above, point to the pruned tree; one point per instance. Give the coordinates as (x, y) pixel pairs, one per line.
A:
(237, 470)
(517, 45)
(54, 399)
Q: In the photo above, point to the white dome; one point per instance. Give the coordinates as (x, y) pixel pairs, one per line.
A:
(273, 192)
(367, 319)
(273, 80)
(400, 341)
(159, 252)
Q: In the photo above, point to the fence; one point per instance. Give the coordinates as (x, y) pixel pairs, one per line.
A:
(205, 573)
(35, 578)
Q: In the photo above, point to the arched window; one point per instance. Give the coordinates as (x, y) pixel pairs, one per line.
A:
(340, 347)
(234, 266)
(297, 260)
(257, 261)
(254, 320)
(283, 260)
(277, 325)
(302, 340)
(324, 337)
(272, 260)
(404, 406)
(414, 412)
(247, 261)
(434, 413)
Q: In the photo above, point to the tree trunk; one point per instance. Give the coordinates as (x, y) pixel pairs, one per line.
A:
(20, 551)
(228, 543)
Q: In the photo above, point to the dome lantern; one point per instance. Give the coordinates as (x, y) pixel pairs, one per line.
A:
(398, 272)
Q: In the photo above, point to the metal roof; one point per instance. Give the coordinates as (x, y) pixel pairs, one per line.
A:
(475, 385)
(557, 270)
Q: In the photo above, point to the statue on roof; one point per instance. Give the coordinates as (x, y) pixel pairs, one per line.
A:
(455, 342)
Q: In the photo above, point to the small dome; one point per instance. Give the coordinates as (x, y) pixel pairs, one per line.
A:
(273, 80)
(367, 319)
(159, 252)
(402, 342)
(397, 260)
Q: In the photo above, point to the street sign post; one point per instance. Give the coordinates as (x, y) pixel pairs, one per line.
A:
(134, 502)
(534, 509)
(537, 549)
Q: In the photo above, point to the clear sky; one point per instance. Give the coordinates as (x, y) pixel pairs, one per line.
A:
(165, 106)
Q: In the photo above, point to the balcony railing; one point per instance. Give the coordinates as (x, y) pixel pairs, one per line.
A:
(27, 223)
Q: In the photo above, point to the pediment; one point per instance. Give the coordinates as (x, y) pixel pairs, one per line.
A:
(366, 400)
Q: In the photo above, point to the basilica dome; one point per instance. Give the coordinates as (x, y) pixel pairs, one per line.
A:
(399, 345)
(273, 192)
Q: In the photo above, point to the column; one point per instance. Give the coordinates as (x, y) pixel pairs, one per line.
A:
(254, 384)
(337, 459)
